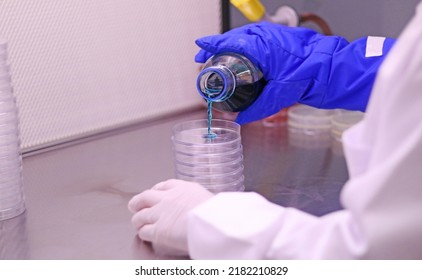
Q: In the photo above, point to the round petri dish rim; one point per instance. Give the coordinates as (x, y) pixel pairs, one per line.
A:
(183, 126)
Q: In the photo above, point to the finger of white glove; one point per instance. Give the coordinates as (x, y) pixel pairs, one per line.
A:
(164, 185)
(147, 232)
(170, 184)
(145, 199)
(144, 217)
(173, 184)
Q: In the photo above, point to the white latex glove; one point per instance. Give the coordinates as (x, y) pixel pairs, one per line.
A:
(160, 214)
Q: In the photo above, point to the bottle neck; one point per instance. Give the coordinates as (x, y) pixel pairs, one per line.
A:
(216, 83)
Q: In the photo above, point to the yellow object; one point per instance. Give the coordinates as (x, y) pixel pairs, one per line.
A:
(251, 9)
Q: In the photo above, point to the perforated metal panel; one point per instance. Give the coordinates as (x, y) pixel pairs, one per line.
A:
(80, 66)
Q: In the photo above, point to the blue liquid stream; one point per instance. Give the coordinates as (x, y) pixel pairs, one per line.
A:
(210, 134)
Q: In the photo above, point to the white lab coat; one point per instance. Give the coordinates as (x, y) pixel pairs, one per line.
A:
(382, 216)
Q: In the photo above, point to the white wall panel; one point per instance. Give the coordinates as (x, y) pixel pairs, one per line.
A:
(83, 66)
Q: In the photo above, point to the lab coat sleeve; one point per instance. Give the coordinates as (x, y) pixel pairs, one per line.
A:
(382, 200)
(246, 226)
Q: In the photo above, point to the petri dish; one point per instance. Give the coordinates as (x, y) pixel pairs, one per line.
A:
(9, 117)
(195, 133)
(191, 137)
(219, 168)
(278, 119)
(203, 149)
(12, 211)
(342, 120)
(209, 158)
(212, 179)
(213, 161)
(235, 186)
(7, 150)
(308, 119)
(9, 139)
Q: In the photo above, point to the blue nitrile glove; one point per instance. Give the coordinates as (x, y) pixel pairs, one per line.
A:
(300, 65)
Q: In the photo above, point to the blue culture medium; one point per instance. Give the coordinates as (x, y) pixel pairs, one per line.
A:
(210, 134)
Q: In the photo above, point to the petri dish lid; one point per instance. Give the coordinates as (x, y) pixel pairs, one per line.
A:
(309, 118)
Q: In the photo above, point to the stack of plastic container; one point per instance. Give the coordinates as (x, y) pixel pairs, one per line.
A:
(309, 120)
(11, 189)
(343, 120)
(215, 162)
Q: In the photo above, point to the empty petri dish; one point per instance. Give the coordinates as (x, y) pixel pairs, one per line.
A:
(209, 158)
(12, 149)
(308, 119)
(212, 179)
(9, 117)
(278, 119)
(218, 168)
(235, 186)
(343, 120)
(203, 149)
(9, 138)
(9, 128)
(304, 140)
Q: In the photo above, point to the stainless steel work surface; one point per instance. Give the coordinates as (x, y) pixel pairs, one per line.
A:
(76, 196)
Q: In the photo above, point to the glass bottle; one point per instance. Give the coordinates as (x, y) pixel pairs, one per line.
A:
(230, 81)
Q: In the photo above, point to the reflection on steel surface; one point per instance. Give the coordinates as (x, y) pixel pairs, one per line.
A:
(13, 239)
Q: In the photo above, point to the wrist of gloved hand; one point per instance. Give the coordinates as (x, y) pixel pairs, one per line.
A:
(160, 214)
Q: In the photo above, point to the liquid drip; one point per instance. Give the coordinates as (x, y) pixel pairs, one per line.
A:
(210, 134)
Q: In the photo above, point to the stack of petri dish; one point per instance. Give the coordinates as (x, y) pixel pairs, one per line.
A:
(11, 187)
(215, 160)
(342, 120)
(309, 120)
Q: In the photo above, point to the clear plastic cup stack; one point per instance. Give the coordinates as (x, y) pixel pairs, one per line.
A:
(11, 187)
(214, 160)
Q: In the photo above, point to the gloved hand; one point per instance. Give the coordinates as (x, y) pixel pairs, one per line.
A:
(300, 65)
(160, 214)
